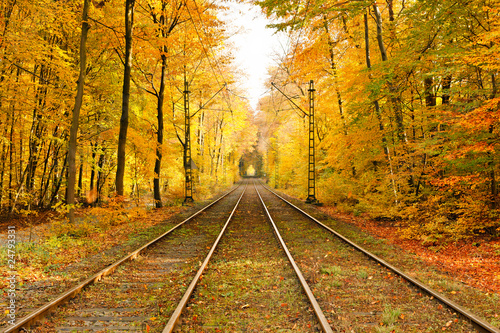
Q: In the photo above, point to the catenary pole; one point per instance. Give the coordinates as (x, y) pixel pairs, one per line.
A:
(311, 172)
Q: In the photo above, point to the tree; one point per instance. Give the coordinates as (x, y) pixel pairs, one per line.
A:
(166, 24)
(417, 123)
(72, 148)
(124, 120)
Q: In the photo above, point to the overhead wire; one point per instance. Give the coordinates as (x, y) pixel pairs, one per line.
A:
(301, 29)
(228, 100)
(231, 92)
(205, 48)
(216, 62)
(279, 69)
(247, 98)
(174, 103)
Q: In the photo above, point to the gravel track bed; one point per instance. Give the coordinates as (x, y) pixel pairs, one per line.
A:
(484, 304)
(33, 294)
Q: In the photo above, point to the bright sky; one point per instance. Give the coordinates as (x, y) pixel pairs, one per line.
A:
(255, 46)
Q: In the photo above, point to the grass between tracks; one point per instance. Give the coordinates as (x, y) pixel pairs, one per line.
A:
(249, 286)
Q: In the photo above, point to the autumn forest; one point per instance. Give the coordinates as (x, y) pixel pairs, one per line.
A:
(96, 97)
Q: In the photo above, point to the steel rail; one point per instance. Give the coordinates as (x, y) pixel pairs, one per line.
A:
(183, 302)
(317, 309)
(43, 310)
(480, 324)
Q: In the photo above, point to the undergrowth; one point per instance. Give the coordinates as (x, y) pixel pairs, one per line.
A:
(434, 218)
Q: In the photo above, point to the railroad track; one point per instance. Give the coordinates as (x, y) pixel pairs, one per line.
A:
(181, 244)
(250, 281)
(341, 271)
(249, 285)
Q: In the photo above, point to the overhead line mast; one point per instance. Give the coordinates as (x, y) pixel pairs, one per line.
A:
(189, 165)
(188, 162)
(311, 181)
(311, 177)
(188, 197)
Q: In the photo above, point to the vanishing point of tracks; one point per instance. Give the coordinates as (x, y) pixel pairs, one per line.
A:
(259, 264)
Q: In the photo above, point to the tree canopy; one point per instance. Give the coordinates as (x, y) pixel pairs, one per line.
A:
(407, 106)
(407, 109)
(170, 42)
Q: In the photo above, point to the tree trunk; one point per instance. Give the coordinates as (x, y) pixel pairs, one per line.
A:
(390, 6)
(377, 112)
(52, 170)
(446, 90)
(20, 160)
(430, 98)
(122, 138)
(70, 191)
(380, 40)
(5, 148)
(93, 166)
(100, 178)
(398, 112)
(11, 159)
(159, 134)
(38, 127)
(34, 146)
(201, 141)
(58, 181)
(45, 184)
(333, 67)
(80, 179)
(493, 180)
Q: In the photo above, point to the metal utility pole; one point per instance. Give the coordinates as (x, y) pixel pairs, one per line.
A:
(187, 147)
(311, 177)
(188, 161)
(311, 181)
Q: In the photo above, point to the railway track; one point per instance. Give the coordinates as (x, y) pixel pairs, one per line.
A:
(341, 271)
(270, 267)
(181, 245)
(249, 285)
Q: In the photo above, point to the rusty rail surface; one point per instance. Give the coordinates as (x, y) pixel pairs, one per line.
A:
(182, 304)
